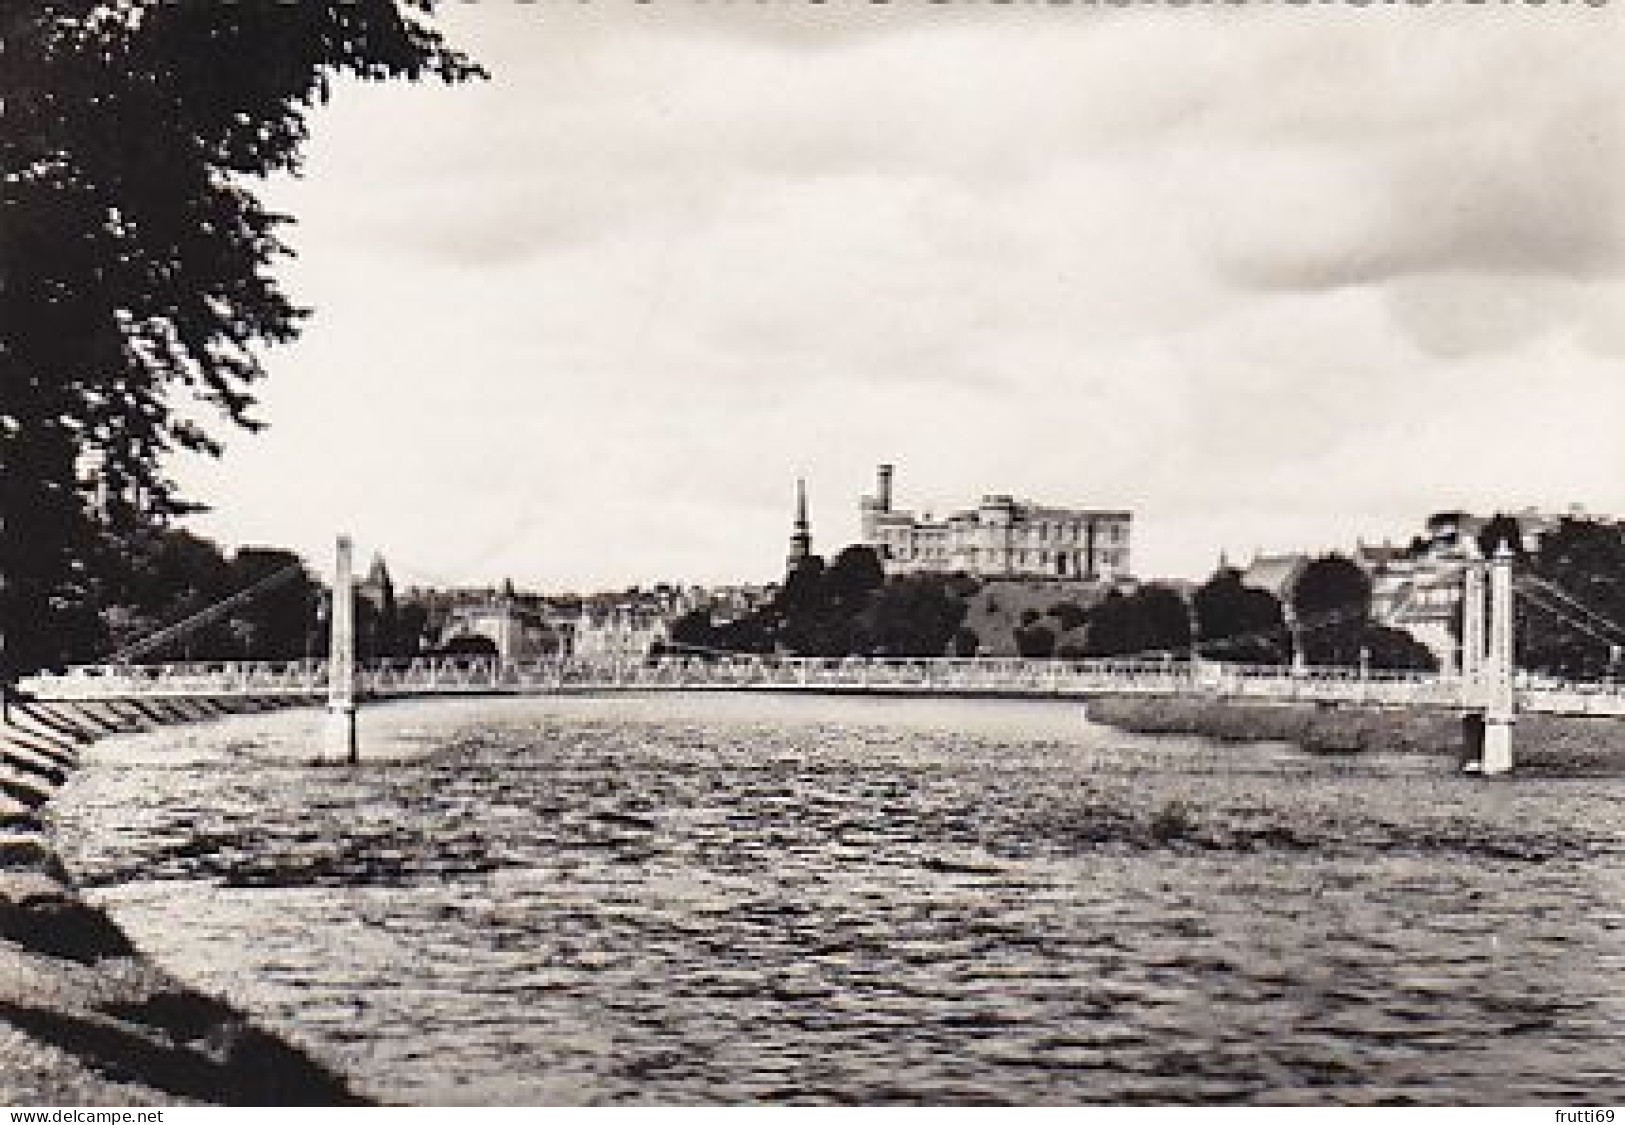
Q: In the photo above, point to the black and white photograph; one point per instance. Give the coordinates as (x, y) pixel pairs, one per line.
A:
(779, 553)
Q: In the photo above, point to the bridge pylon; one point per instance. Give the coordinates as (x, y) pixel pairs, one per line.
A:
(341, 732)
(1474, 612)
(1499, 698)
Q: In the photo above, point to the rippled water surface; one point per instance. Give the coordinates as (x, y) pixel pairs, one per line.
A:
(746, 898)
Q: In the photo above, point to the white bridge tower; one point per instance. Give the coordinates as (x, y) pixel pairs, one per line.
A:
(341, 735)
(1487, 663)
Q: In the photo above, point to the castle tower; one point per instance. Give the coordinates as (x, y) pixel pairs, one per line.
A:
(801, 536)
(877, 505)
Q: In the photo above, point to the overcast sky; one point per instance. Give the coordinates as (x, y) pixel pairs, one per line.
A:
(1268, 276)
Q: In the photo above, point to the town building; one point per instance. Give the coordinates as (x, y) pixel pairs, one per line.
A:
(513, 626)
(1417, 587)
(620, 633)
(1001, 537)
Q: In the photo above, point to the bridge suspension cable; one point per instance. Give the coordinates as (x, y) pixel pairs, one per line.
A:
(207, 616)
(1555, 610)
(1557, 593)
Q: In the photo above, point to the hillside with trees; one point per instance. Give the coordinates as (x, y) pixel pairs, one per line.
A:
(848, 608)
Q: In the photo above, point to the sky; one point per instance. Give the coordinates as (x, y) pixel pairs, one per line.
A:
(1270, 277)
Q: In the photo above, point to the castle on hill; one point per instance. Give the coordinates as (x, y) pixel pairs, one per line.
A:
(1001, 537)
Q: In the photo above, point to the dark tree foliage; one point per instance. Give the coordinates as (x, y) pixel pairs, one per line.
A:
(51, 556)
(134, 255)
(1070, 615)
(1396, 649)
(965, 641)
(849, 608)
(803, 589)
(1331, 586)
(411, 629)
(853, 576)
(1236, 622)
(478, 648)
(1500, 529)
(1035, 641)
(696, 634)
(693, 633)
(1332, 608)
(1111, 627)
(1153, 620)
(800, 618)
(168, 575)
(1570, 612)
(746, 634)
(913, 615)
(282, 622)
(1167, 618)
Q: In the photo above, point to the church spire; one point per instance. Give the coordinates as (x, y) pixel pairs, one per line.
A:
(801, 536)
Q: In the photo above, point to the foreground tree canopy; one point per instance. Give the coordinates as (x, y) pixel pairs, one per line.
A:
(135, 258)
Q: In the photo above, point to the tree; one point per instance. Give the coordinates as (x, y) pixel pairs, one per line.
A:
(1153, 620)
(1331, 585)
(965, 641)
(1111, 629)
(803, 591)
(135, 258)
(281, 621)
(48, 552)
(1240, 623)
(1070, 614)
(1035, 640)
(1165, 617)
(1331, 608)
(1500, 529)
(166, 576)
(694, 632)
(1396, 649)
(411, 628)
(853, 576)
(914, 615)
(1570, 616)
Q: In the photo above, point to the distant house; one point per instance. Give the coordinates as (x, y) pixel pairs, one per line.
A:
(1276, 575)
(1418, 589)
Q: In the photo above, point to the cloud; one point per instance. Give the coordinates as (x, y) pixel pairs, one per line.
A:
(1504, 156)
(1266, 275)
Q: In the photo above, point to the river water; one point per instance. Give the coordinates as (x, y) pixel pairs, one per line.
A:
(742, 898)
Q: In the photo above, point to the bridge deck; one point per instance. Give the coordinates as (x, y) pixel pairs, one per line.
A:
(1050, 678)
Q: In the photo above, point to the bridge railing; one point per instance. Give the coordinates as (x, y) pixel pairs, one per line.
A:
(944, 675)
(104, 681)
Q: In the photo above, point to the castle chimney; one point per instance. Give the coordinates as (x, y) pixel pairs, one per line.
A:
(883, 488)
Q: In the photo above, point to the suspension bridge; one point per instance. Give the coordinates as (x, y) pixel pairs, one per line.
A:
(1487, 683)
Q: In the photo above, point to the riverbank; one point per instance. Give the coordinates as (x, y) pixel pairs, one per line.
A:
(85, 1018)
(1545, 744)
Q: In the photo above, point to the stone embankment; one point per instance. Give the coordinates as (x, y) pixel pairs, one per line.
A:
(1545, 744)
(85, 1018)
